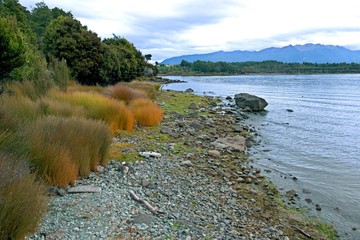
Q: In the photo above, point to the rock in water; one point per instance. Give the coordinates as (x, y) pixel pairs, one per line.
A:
(245, 100)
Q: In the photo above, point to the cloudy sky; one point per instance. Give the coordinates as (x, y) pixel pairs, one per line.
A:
(167, 28)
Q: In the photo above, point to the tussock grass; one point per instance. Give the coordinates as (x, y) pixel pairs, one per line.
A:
(63, 148)
(15, 110)
(23, 200)
(124, 93)
(73, 86)
(150, 88)
(113, 112)
(146, 112)
(48, 106)
(31, 89)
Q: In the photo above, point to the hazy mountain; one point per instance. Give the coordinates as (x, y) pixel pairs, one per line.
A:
(313, 53)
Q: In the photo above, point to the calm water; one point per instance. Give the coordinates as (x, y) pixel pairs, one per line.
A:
(319, 142)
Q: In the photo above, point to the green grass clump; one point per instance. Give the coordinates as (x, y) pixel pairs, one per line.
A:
(23, 200)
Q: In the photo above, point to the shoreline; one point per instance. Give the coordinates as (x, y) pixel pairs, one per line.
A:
(190, 175)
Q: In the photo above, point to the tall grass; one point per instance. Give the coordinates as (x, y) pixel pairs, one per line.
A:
(113, 112)
(150, 88)
(124, 93)
(15, 110)
(23, 200)
(63, 148)
(48, 106)
(146, 112)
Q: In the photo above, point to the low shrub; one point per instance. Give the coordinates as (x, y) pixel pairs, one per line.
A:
(23, 200)
(124, 93)
(146, 112)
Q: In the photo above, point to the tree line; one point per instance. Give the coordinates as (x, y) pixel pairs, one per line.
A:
(265, 67)
(51, 44)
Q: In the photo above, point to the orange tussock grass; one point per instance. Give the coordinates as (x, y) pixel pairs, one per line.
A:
(23, 200)
(146, 112)
(62, 148)
(97, 106)
(124, 93)
(150, 88)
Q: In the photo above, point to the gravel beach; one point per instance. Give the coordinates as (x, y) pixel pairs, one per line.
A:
(197, 184)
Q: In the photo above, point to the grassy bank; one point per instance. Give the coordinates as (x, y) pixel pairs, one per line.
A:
(54, 137)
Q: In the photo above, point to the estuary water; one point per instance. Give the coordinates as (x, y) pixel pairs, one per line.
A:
(317, 142)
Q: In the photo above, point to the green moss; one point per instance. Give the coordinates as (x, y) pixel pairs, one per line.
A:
(328, 230)
(179, 101)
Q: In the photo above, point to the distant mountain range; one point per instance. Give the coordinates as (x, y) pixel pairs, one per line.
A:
(312, 53)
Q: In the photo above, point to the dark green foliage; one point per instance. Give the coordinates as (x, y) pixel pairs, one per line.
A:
(41, 16)
(65, 38)
(265, 67)
(121, 62)
(12, 46)
(14, 8)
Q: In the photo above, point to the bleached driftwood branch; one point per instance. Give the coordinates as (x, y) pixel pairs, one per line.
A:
(153, 209)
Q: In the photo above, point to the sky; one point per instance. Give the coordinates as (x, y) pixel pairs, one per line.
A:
(168, 28)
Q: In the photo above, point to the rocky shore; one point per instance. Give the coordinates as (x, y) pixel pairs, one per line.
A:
(190, 178)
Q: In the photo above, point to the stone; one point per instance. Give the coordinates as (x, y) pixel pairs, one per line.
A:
(100, 169)
(236, 143)
(196, 125)
(189, 90)
(214, 153)
(84, 189)
(143, 219)
(317, 207)
(55, 235)
(145, 183)
(255, 103)
(238, 129)
(193, 106)
(186, 163)
(150, 154)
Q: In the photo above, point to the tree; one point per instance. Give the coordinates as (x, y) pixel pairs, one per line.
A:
(65, 38)
(148, 57)
(42, 15)
(15, 9)
(12, 46)
(122, 61)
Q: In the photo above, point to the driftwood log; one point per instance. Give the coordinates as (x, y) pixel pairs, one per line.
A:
(303, 232)
(153, 209)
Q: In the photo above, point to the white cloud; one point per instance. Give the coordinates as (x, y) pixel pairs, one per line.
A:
(176, 27)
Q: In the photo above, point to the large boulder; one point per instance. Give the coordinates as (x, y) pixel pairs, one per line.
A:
(248, 101)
